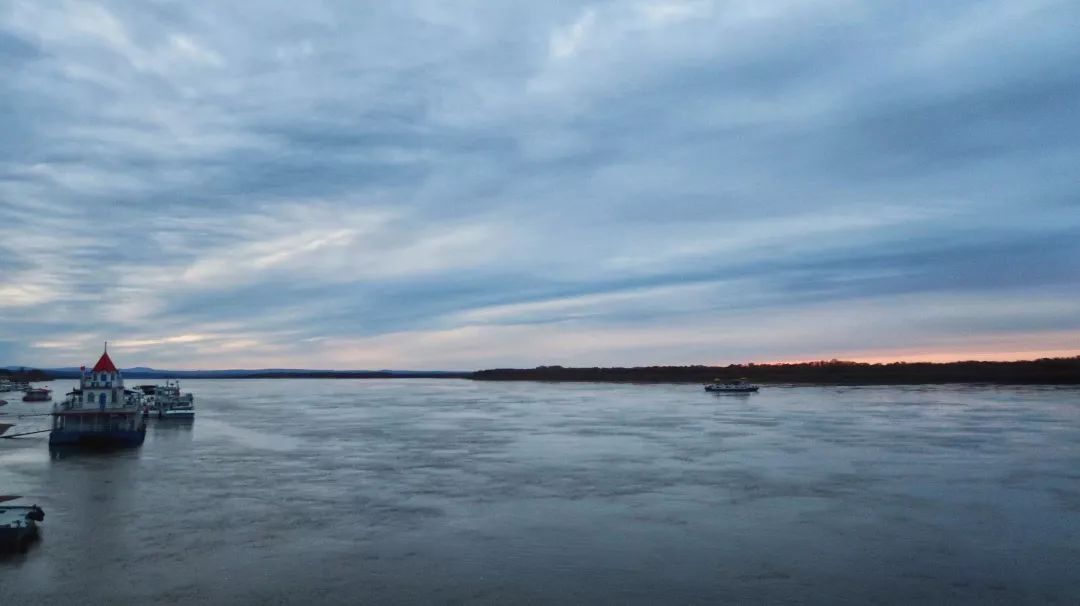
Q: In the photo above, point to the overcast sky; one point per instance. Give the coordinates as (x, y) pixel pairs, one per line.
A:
(463, 185)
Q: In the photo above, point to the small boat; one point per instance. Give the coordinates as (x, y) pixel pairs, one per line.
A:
(4, 427)
(144, 395)
(8, 385)
(171, 404)
(18, 523)
(739, 386)
(3, 402)
(185, 410)
(37, 394)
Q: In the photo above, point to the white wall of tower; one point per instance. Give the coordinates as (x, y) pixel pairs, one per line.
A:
(94, 384)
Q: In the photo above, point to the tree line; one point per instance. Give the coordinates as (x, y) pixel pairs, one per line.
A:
(838, 372)
(24, 374)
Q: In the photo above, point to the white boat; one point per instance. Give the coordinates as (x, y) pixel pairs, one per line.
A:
(740, 386)
(171, 404)
(8, 385)
(143, 395)
(183, 410)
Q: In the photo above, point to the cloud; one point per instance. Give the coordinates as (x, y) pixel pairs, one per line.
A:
(416, 184)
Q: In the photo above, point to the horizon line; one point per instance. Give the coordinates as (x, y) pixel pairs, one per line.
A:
(855, 360)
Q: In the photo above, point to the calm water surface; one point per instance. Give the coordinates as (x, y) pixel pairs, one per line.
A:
(429, 491)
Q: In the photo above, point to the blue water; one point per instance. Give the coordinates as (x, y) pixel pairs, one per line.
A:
(450, 491)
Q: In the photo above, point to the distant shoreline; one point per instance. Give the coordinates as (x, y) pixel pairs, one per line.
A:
(135, 376)
(317, 375)
(1047, 371)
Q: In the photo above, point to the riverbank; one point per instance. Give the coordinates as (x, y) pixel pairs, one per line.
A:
(1049, 371)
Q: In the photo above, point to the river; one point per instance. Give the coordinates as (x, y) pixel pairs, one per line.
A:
(460, 492)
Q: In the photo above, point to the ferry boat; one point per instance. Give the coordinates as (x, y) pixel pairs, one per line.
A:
(171, 404)
(98, 413)
(37, 394)
(739, 386)
(18, 523)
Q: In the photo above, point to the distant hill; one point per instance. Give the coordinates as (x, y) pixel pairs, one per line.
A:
(143, 372)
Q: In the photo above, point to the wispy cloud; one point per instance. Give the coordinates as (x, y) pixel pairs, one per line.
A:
(415, 184)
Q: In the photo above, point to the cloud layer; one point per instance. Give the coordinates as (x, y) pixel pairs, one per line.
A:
(419, 185)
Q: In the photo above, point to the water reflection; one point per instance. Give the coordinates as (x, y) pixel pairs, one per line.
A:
(17, 553)
(89, 453)
(453, 491)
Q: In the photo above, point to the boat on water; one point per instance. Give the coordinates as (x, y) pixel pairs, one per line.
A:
(144, 394)
(98, 412)
(37, 394)
(739, 386)
(18, 523)
(171, 403)
(8, 385)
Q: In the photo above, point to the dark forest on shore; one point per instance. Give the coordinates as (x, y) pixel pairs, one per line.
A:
(25, 375)
(834, 372)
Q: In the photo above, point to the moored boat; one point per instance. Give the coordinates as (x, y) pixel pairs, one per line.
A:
(9, 385)
(37, 394)
(145, 395)
(18, 523)
(179, 411)
(739, 386)
(171, 404)
(98, 413)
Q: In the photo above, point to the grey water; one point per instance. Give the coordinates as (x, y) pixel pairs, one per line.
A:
(459, 492)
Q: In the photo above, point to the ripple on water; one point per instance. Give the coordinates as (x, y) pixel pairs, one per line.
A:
(251, 438)
(460, 492)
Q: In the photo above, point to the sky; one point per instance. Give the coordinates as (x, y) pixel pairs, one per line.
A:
(460, 185)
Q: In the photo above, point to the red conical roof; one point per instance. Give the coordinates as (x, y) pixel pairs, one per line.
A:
(104, 364)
